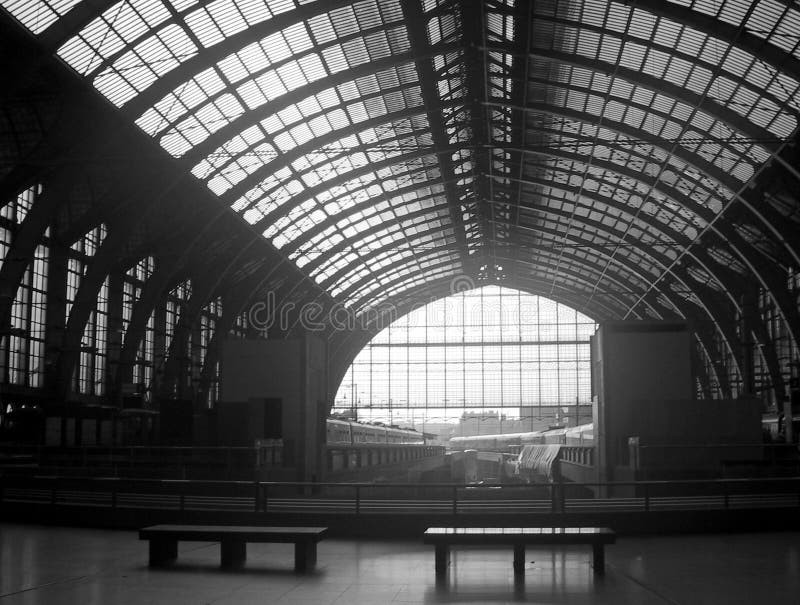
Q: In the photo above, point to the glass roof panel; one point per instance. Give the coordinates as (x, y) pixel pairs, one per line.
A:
(269, 69)
(281, 124)
(405, 237)
(319, 167)
(676, 174)
(38, 15)
(637, 127)
(772, 20)
(392, 178)
(137, 22)
(381, 292)
(685, 57)
(369, 216)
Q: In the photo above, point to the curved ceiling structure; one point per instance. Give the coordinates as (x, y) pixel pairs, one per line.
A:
(629, 158)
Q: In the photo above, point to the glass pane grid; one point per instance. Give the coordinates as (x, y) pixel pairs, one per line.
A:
(448, 270)
(683, 56)
(267, 70)
(426, 268)
(630, 155)
(491, 348)
(435, 235)
(289, 227)
(422, 227)
(357, 221)
(414, 249)
(316, 116)
(714, 141)
(38, 15)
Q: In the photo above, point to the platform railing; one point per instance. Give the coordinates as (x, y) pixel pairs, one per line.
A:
(200, 462)
(117, 461)
(401, 498)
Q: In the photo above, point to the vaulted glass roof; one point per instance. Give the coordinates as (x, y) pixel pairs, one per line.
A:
(382, 146)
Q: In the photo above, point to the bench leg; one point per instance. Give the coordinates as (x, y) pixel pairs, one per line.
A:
(519, 558)
(305, 555)
(442, 554)
(233, 553)
(162, 551)
(599, 562)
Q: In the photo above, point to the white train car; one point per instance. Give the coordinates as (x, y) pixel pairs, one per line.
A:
(352, 433)
(514, 442)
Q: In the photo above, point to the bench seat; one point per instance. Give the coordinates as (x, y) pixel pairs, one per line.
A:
(233, 541)
(442, 538)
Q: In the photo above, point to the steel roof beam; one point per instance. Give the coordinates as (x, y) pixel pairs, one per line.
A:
(520, 79)
(334, 220)
(701, 103)
(416, 23)
(736, 35)
(285, 159)
(393, 267)
(563, 291)
(765, 272)
(600, 227)
(723, 274)
(708, 217)
(71, 23)
(785, 232)
(473, 32)
(255, 116)
(649, 224)
(311, 192)
(341, 247)
(710, 307)
(359, 303)
(213, 54)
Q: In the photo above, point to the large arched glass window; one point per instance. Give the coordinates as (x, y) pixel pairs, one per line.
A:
(22, 348)
(90, 375)
(490, 350)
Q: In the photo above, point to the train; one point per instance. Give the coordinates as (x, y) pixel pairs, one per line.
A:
(512, 443)
(350, 432)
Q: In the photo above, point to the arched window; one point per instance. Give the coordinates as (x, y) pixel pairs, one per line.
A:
(91, 371)
(133, 285)
(22, 346)
(176, 305)
(80, 255)
(490, 351)
(210, 316)
(177, 299)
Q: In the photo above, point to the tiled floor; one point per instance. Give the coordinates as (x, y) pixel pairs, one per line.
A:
(54, 566)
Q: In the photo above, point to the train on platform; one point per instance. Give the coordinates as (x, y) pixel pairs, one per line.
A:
(512, 443)
(341, 431)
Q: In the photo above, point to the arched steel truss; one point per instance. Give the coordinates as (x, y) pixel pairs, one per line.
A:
(626, 159)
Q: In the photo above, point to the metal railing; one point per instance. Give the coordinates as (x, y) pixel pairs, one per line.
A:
(401, 498)
(117, 460)
(198, 462)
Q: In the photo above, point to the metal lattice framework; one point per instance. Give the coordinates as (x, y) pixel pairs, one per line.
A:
(631, 159)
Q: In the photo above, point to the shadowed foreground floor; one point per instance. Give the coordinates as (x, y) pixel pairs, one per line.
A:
(54, 566)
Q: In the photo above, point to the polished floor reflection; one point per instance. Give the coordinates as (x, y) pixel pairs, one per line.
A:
(55, 566)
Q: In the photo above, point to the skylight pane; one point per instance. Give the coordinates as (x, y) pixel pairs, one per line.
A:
(38, 15)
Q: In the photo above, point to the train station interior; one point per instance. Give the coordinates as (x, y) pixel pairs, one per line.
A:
(405, 283)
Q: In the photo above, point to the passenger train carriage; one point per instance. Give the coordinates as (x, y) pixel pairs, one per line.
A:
(349, 432)
(512, 443)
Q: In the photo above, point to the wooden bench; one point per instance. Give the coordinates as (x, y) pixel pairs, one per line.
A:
(233, 541)
(444, 537)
